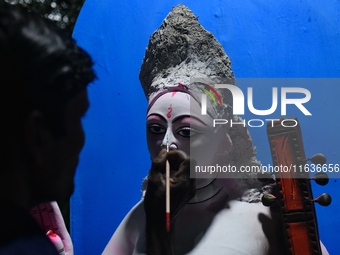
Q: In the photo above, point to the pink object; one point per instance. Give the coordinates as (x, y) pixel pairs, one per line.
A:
(56, 240)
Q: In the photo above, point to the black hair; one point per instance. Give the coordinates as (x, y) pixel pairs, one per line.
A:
(41, 67)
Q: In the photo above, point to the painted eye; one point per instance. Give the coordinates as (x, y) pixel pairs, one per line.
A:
(186, 132)
(156, 129)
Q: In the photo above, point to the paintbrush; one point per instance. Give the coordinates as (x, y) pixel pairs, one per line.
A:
(167, 189)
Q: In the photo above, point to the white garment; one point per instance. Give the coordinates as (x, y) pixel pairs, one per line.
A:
(235, 230)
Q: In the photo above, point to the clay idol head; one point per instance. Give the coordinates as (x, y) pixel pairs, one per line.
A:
(183, 61)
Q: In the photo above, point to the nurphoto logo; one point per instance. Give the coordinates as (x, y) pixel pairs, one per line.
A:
(238, 106)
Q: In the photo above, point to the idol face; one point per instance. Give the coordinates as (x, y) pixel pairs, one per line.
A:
(175, 119)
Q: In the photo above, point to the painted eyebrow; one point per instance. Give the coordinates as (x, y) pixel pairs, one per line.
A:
(188, 116)
(156, 115)
(176, 119)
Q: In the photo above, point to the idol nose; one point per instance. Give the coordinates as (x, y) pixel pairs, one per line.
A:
(169, 141)
(172, 146)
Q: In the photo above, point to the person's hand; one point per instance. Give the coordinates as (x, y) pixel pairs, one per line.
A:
(51, 221)
(182, 189)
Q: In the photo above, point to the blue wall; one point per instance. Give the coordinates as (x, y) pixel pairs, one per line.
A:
(263, 38)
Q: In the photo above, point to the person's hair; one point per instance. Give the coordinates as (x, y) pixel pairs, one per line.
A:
(41, 68)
